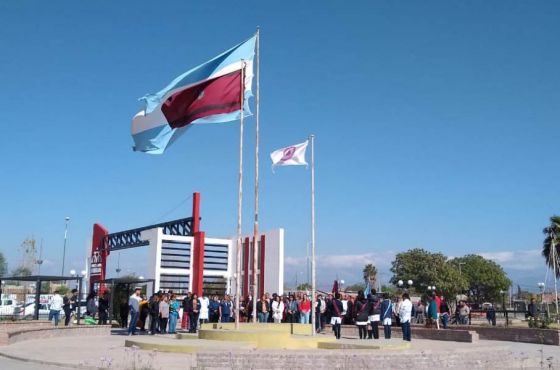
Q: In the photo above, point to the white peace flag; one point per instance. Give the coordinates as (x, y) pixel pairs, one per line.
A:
(290, 156)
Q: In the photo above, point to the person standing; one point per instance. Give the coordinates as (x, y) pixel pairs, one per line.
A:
(304, 310)
(91, 307)
(55, 306)
(491, 315)
(204, 309)
(420, 313)
(214, 309)
(225, 309)
(193, 313)
(386, 315)
(292, 310)
(362, 313)
(405, 314)
(69, 303)
(144, 312)
(123, 313)
(397, 309)
(173, 314)
(532, 309)
(374, 315)
(103, 309)
(134, 307)
(464, 312)
(186, 309)
(154, 314)
(336, 314)
(444, 312)
(262, 309)
(277, 309)
(432, 312)
(163, 314)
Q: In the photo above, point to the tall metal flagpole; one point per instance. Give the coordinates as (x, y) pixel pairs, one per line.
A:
(313, 288)
(256, 222)
(554, 262)
(239, 203)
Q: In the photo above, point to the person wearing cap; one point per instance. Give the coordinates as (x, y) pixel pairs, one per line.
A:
(134, 306)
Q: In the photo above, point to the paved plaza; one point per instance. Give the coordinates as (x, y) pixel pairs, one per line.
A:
(92, 352)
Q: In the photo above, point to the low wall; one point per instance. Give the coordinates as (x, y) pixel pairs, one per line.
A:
(468, 336)
(11, 337)
(524, 335)
(6, 326)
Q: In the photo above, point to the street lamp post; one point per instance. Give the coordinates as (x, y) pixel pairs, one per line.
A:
(65, 239)
(401, 283)
(503, 293)
(541, 289)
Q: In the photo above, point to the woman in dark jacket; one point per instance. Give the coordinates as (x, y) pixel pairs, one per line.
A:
(186, 309)
(335, 308)
(374, 314)
(154, 314)
(193, 313)
(362, 313)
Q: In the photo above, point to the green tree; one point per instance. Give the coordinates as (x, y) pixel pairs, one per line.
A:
(370, 273)
(3, 265)
(552, 240)
(485, 278)
(427, 269)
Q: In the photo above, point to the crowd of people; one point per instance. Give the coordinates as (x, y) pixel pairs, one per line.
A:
(163, 312)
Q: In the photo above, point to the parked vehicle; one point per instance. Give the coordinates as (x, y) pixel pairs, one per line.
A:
(27, 311)
(8, 307)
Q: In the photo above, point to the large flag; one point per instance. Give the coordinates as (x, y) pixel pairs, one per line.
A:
(290, 156)
(208, 93)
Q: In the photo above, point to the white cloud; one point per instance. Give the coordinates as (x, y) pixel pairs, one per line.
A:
(524, 260)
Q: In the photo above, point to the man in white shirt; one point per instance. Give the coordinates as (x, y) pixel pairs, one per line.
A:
(134, 305)
(204, 304)
(405, 313)
(55, 306)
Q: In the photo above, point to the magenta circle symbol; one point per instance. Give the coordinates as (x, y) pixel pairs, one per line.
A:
(288, 153)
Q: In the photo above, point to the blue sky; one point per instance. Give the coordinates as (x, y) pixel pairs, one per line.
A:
(436, 126)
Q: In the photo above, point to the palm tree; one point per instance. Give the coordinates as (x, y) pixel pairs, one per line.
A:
(370, 273)
(552, 240)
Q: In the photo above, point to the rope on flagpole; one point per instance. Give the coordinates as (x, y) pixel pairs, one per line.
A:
(239, 203)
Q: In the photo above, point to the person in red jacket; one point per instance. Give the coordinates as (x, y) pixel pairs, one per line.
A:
(304, 310)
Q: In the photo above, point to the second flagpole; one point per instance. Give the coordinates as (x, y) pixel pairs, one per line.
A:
(313, 288)
(256, 221)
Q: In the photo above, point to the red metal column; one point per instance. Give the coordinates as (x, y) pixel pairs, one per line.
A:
(196, 212)
(99, 253)
(262, 256)
(197, 249)
(197, 259)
